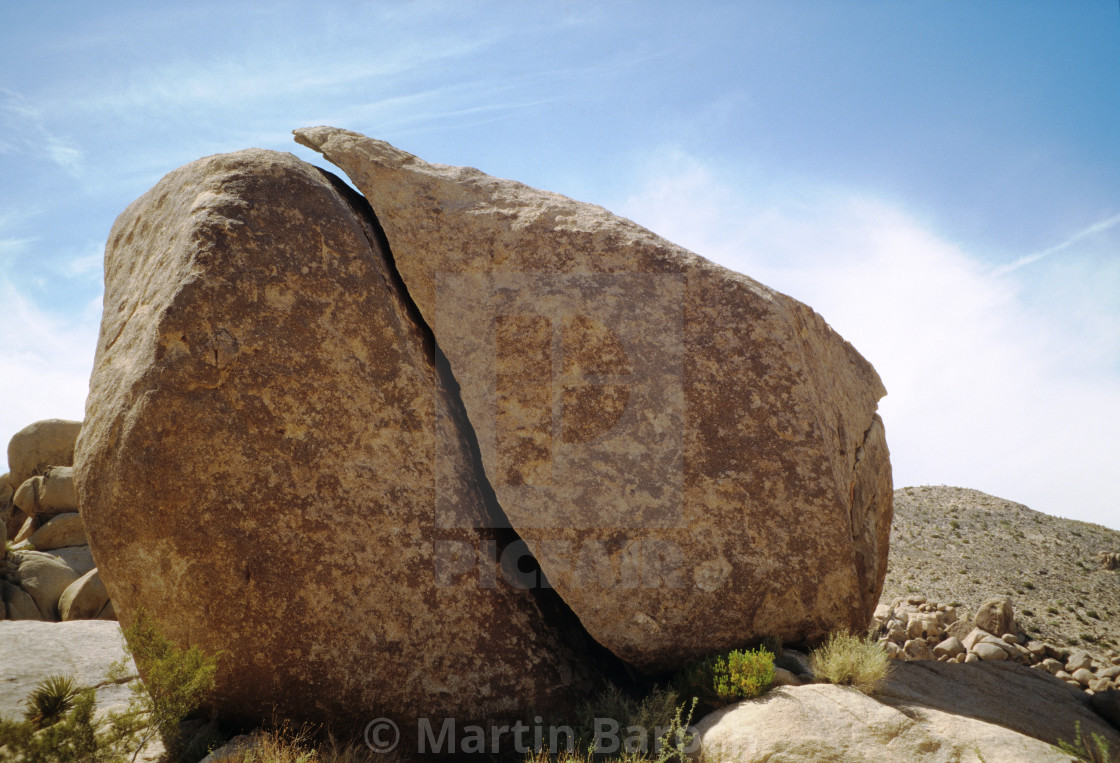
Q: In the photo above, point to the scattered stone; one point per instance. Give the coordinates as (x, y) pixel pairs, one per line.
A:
(975, 636)
(1079, 660)
(950, 647)
(989, 652)
(917, 649)
(1083, 676)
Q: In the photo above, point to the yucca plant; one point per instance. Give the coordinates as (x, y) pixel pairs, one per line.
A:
(50, 699)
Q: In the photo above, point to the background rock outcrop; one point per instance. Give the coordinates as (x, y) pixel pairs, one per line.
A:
(49, 550)
(671, 439)
(257, 465)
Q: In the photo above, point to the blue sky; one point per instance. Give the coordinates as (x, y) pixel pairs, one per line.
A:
(939, 178)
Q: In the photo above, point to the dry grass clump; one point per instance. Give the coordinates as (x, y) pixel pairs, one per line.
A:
(849, 660)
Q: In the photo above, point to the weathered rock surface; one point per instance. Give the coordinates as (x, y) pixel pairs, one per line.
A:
(31, 651)
(665, 434)
(257, 464)
(40, 445)
(926, 711)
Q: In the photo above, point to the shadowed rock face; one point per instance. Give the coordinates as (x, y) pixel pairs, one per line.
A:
(257, 465)
(694, 459)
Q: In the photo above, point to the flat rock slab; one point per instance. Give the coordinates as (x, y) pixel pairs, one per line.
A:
(822, 722)
(32, 651)
(694, 459)
(1030, 702)
(256, 467)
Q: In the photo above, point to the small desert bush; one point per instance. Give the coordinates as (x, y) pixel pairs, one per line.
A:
(1095, 749)
(849, 660)
(284, 743)
(721, 680)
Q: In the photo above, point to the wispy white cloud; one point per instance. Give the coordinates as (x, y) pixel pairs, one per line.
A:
(26, 131)
(982, 390)
(47, 360)
(1098, 227)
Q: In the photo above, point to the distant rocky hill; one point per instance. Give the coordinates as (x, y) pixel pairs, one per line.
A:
(962, 546)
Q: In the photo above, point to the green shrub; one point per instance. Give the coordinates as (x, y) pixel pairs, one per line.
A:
(721, 680)
(849, 660)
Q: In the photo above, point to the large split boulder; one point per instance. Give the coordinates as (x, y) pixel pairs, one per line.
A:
(694, 459)
(258, 465)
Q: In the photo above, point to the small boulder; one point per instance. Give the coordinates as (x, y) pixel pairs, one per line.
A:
(59, 531)
(975, 636)
(917, 649)
(1083, 676)
(950, 647)
(45, 577)
(1051, 666)
(41, 445)
(996, 615)
(989, 652)
(84, 599)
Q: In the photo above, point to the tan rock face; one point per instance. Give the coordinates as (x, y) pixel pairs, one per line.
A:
(694, 459)
(257, 467)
